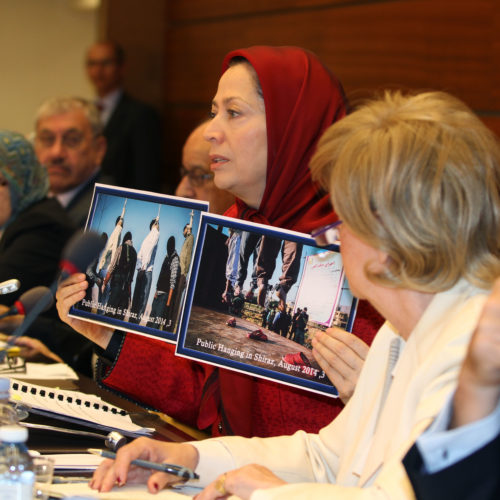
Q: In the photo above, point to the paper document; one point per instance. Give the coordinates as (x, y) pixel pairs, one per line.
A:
(42, 371)
(72, 461)
(127, 492)
(74, 406)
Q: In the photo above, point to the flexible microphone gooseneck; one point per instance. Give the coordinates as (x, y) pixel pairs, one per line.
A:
(25, 303)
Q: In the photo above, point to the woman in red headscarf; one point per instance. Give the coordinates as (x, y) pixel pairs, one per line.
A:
(271, 106)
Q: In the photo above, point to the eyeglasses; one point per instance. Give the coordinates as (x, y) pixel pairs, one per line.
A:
(197, 176)
(327, 235)
(71, 139)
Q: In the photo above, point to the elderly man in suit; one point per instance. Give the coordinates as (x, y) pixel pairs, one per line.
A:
(70, 144)
(132, 128)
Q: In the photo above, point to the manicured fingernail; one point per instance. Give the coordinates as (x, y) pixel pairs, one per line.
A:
(156, 487)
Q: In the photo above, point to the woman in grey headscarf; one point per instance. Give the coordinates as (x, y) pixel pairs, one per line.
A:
(33, 228)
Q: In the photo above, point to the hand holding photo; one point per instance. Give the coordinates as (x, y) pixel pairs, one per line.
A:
(138, 281)
(256, 298)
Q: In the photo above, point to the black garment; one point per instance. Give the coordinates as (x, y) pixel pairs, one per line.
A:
(285, 320)
(476, 477)
(31, 245)
(134, 152)
(170, 271)
(74, 349)
(302, 320)
(78, 208)
(121, 273)
(30, 251)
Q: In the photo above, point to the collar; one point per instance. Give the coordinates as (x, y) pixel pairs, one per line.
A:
(67, 197)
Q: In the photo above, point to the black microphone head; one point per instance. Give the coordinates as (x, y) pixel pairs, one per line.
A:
(80, 251)
(34, 295)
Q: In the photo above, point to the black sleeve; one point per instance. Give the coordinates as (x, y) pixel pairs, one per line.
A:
(475, 477)
(74, 349)
(109, 354)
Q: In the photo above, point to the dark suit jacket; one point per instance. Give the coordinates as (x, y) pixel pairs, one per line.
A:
(476, 477)
(134, 154)
(78, 208)
(30, 250)
(31, 245)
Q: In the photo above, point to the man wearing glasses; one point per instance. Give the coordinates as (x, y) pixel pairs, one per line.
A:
(132, 128)
(70, 144)
(196, 178)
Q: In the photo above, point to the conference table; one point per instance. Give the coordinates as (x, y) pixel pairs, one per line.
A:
(46, 440)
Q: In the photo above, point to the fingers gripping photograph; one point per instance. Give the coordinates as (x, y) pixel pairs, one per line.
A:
(253, 302)
(414, 377)
(138, 281)
(258, 243)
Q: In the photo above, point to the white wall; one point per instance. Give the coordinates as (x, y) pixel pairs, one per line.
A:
(42, 46)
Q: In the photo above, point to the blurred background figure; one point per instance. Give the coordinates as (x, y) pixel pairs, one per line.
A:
(196, 178)
(34, 228)
(70, 145)
(131, 127)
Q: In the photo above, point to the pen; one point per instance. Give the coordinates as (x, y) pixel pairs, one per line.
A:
(176, 470)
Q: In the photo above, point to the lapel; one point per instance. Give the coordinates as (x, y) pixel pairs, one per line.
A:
(119, 114)
(410, 406)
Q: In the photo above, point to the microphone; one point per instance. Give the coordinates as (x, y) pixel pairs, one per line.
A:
(79, 252)
(9, 286)
(25, 303)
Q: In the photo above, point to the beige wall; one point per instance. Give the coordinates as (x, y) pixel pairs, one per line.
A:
(43, 43)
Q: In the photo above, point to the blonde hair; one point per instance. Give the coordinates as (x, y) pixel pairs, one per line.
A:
(417, 177)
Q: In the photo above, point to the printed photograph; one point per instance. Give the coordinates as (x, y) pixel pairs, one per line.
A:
(138, 282)
(256, 298)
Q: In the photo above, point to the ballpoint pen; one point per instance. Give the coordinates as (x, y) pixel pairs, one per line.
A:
(176, 470)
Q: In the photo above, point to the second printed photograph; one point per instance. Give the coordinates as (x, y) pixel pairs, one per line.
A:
(256, 298)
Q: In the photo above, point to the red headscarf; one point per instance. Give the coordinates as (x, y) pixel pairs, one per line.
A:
(302, 98)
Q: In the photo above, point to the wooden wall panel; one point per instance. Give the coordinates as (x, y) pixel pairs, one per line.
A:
(367, 46)
(452, 45)
(182, 11)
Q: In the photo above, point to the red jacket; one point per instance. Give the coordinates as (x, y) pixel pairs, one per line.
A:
(148, 372)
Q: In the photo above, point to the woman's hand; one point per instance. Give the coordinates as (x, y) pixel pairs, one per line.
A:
(241, 482)
(71, 291)
(119, 471)
(341, 355)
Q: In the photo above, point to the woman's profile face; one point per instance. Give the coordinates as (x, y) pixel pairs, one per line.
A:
(238, 137)
(5, 205)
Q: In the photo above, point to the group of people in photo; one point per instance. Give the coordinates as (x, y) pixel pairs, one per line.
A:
(121, 278)
(276, 314)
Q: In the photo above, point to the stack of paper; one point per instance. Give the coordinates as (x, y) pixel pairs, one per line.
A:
(73, 406)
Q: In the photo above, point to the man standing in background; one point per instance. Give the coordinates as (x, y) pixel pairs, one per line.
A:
(132, 128)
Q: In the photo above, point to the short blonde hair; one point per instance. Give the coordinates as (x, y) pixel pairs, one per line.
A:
(418, 177)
